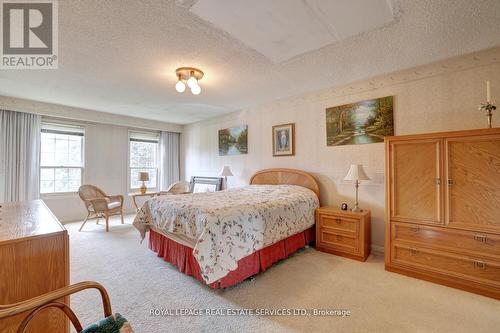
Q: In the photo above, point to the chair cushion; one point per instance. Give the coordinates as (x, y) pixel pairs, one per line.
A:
(112, 324)
(115, 204)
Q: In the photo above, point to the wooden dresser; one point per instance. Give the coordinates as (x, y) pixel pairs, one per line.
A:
(443, 208)
(34, 259)
(343, 233)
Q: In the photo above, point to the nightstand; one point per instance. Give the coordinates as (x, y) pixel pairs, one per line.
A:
(343, 233)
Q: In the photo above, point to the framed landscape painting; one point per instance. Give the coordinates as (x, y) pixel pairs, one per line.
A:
(360, 123)
(284, 140)
(233, 141)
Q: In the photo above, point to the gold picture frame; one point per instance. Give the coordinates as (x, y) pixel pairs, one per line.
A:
(363, 122)
(283, 139)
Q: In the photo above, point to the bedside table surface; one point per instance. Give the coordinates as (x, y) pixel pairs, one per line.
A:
(336, 210)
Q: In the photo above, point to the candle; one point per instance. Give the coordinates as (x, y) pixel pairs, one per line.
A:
(488, 92)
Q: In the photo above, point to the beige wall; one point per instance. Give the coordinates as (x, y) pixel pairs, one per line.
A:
(436, 97)
(106, 151)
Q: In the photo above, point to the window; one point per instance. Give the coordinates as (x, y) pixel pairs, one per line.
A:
(61, 158)
(143, 152)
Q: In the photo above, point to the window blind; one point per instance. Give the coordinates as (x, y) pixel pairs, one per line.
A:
(63, 129)
(144, 137)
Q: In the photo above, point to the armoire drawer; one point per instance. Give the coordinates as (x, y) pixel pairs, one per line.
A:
(485, 271)
(339, 241)
(339, 223)
(466, 242)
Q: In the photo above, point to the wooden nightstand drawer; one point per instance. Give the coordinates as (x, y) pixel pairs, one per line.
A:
(338, 241)
(340, 223)
(343, 233)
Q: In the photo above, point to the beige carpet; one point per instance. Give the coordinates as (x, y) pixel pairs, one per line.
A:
(379, 301)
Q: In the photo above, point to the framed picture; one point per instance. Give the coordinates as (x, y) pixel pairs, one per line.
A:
(205, 184)
(233, 141)
(284, 140)
(359, 123)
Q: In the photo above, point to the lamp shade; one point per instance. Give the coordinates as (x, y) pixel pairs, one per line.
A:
(356, 172)
(144, 176)
(226, 171)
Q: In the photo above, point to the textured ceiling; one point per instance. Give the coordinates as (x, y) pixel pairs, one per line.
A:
(282, 32)
(120, 57)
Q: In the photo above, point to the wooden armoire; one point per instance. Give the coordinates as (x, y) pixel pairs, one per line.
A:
(443, 208)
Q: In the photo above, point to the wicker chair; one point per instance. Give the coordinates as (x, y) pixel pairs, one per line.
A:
(98, 204)
(177, 188)
(35, 305)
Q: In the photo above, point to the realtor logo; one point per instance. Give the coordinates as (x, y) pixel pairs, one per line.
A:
(29, 34)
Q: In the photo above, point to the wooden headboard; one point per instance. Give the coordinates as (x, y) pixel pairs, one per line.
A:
(285, 176)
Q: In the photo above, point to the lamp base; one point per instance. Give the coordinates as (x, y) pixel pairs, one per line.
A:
(143, 188)
(356, 208)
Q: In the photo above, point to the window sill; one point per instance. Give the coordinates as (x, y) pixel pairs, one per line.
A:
(58, 195)
(138, 190)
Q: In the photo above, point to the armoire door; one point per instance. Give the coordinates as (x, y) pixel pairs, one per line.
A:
(415, 171)
(473, 182)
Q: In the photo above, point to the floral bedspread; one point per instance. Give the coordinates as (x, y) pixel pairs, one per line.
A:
(232, 224)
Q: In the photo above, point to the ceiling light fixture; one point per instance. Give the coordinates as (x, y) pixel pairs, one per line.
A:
(196, 90)
(188, 76)
(180, 86)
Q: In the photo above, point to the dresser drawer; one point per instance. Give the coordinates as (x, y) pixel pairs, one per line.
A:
(340, 223)
(484, 271)
(467, 242)
(340, 242)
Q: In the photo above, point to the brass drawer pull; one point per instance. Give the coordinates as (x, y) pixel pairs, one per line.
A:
(338, 220)
(413, 251)
(480, 238)
(479, 264)
(437, 181)
(415, 228)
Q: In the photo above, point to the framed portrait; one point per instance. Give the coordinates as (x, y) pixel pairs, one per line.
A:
(284, 140)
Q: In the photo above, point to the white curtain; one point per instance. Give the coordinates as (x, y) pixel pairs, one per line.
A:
(19, 156)
(169, 159)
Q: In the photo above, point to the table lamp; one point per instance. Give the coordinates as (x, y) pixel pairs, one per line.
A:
(225, 172)
(143, 177)
(356, 173)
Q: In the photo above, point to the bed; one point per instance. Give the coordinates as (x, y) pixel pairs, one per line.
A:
(224, 237)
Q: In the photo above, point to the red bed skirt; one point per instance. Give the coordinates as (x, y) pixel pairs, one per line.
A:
(182, 257)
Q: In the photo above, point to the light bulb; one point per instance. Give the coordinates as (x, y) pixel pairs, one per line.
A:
(180, 86)
(196, 90)
(192, 82)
